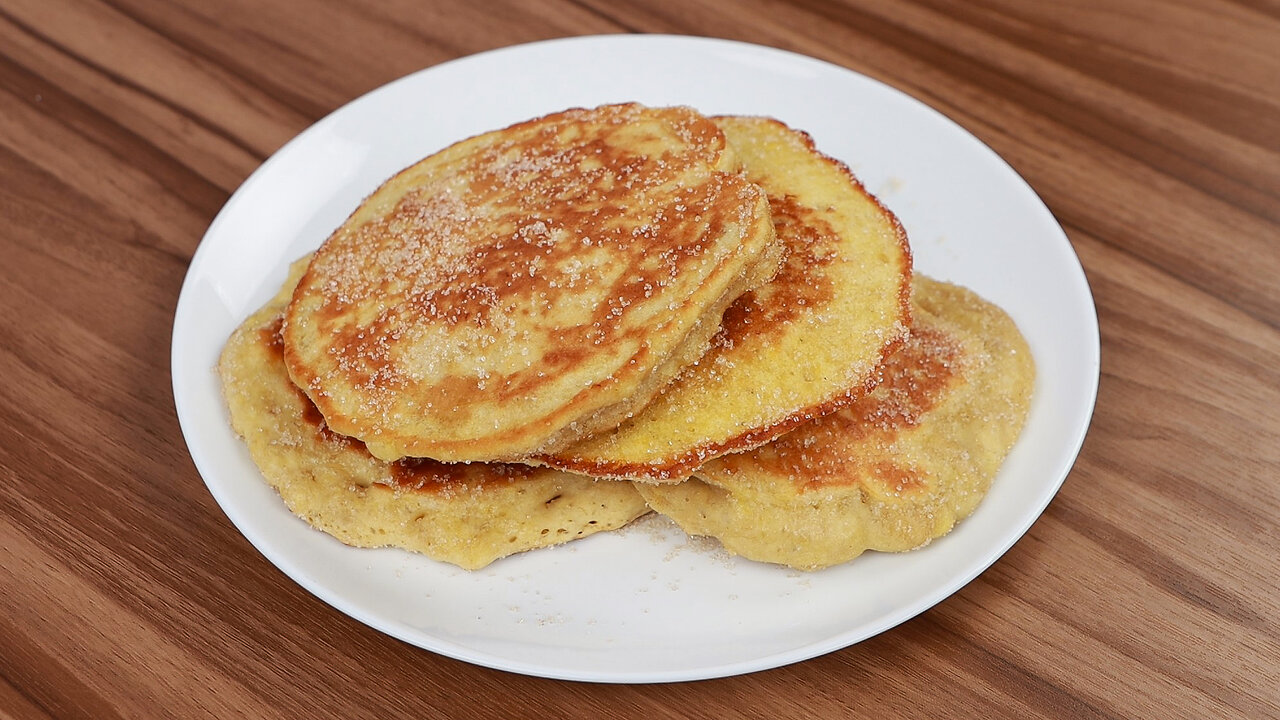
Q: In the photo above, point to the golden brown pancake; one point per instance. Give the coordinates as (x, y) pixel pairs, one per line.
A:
(798, 347)
(892, 471)
(528, 286)
(465, 514)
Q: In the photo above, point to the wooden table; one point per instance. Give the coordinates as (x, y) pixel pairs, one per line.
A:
(1148, 589)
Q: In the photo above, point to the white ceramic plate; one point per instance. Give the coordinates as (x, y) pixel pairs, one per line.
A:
(646, 604)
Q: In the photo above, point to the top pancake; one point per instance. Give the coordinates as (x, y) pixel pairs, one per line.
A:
(528, 286)
(800, 346)
(892, 471)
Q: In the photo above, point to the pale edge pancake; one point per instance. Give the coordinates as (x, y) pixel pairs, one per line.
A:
(465, 514)
(894, 470)
(798, 347)
(527, 287)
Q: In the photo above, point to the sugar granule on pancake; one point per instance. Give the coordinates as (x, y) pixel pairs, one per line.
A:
(526, 287)
(797, 347)
(467, 514)
(894, 470)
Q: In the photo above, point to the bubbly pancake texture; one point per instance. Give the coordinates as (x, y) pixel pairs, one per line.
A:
(795, 348)
(465, 514)
(893, 471)
(528, 286)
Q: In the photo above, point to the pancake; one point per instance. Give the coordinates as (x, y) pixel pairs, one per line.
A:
(465, 514)
(530, 286)
(798, 347)
(893, 471)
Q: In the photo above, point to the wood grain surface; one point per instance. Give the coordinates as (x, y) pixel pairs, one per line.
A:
(1149, 589)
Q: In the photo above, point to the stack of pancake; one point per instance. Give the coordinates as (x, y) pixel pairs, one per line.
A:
(549, 330)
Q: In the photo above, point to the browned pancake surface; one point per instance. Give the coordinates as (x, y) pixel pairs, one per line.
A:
(528, 286)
